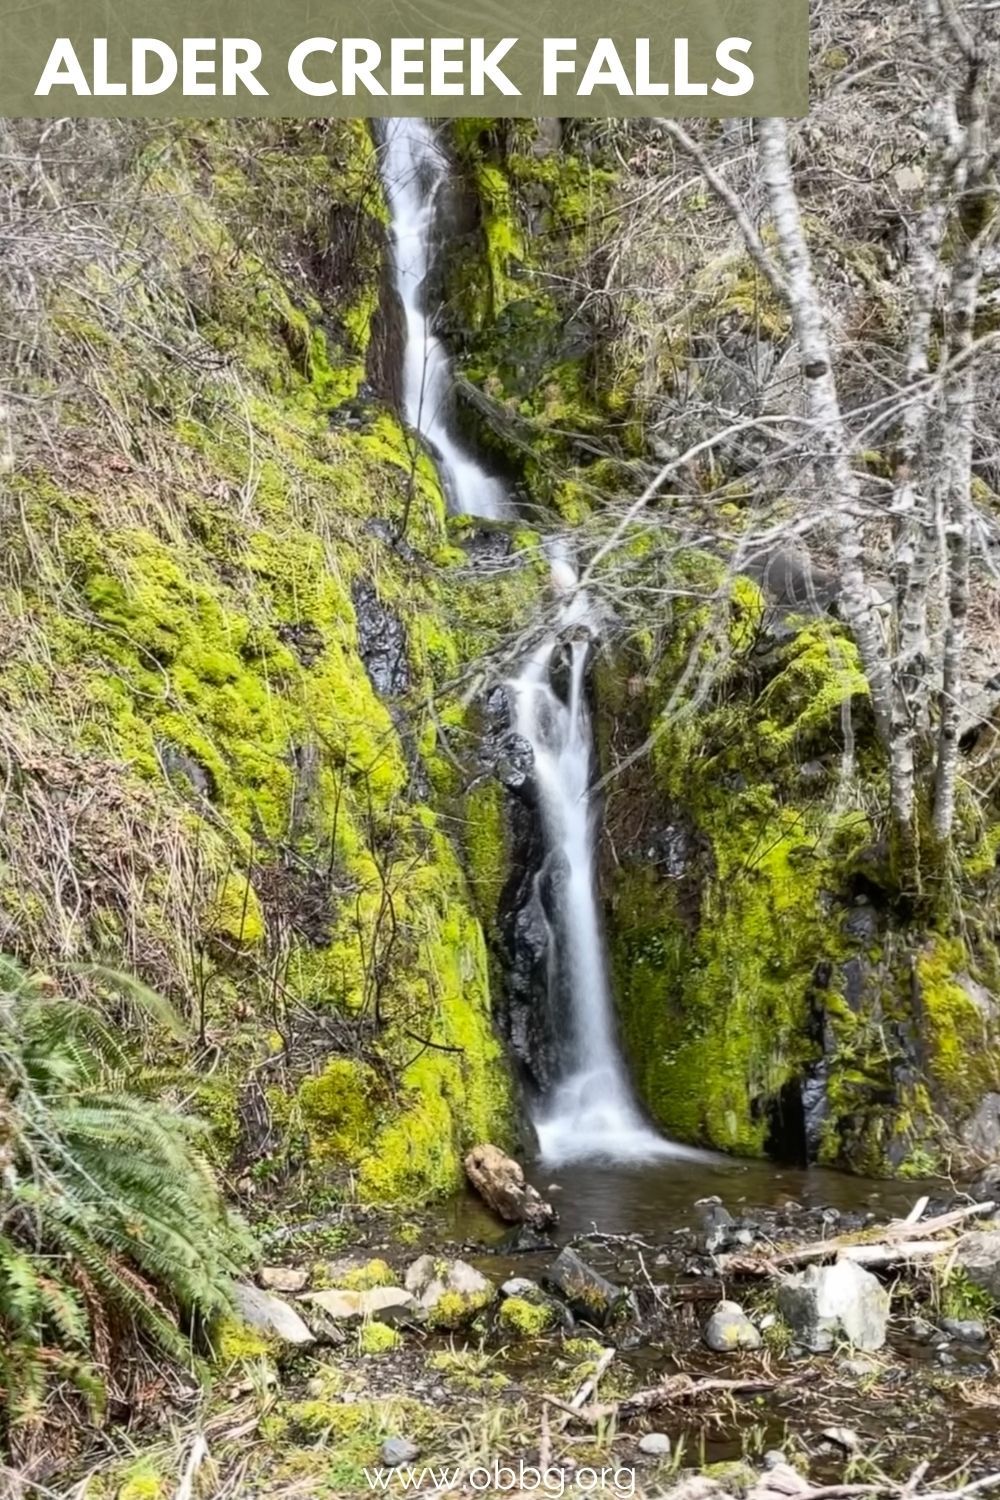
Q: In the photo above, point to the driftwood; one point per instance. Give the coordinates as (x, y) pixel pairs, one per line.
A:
(903, 1240)
(674, 1388)
(499, 1181)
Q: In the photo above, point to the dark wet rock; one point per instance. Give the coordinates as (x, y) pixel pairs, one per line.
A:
(824, 1304)
(862, 925)
(977, 1254)
(589, 1294)
(515, 762)
(486, 548)
(304, 638)
(922, 1331)
(966, 1330)
(525, 1240)
(381, 642)
(499, 1180)
(270, 1316)
(853, 972)
(729, 1330)
(180, 765)
(399, 1450)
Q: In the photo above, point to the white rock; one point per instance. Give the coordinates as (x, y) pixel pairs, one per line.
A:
(825, 1303)
(655, 1444)
(269, 1315)
(378, 1302)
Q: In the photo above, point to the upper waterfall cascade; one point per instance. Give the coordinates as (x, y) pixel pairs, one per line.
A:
(414, 168)
(591, 1112)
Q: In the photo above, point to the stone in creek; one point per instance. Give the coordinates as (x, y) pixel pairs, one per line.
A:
(655, 1445)
(520, 1286)
(729, 1330)
(282, 1279)
(825, 1303)
(270, 1316)
(589, 1294)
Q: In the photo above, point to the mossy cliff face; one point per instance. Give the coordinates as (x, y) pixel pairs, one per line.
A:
(773, 997)
(227, 547)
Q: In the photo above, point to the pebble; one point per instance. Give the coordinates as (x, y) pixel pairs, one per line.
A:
(655, 1444)
(399, 1450)
(774, 1458)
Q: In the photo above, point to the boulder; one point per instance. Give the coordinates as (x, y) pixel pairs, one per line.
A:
(270, 1316)
(729, 1330)
(966, 1330)
(385, 1304)
(450, 1292)
(499, 1181)
(282, 1279)
(824, 1304)
(589, 1294)
(978, 1255)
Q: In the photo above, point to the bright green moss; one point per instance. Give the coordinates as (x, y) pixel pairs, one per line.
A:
(524, 1319)
(378, 1338)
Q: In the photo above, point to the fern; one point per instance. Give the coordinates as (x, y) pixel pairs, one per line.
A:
(110, 1217)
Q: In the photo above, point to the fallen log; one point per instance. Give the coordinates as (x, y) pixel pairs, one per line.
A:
(675, 1388)
(499, 1181)
(891, 1250)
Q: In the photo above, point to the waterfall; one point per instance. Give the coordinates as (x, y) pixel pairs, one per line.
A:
(414, 168)
(590, 1113)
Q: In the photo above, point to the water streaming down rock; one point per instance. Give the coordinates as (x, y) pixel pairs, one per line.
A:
(590, 1112)
(414, 169)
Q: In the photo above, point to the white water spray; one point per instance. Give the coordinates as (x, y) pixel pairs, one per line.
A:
(591, 1113)
(413, 170)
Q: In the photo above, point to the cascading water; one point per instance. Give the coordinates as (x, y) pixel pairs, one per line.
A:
(590, 1113)
(413, 170)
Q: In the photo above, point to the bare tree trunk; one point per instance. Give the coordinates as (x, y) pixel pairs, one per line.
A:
(838, 477)
(978, 222)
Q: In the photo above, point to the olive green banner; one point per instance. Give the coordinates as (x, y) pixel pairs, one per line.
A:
(205, 58)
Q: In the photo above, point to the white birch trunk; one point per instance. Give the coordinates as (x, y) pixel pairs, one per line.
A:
(839, 480)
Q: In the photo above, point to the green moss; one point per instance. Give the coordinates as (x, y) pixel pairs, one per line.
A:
(378, 1338)
(524, 1319)
(235, 1343)
(372, 1274)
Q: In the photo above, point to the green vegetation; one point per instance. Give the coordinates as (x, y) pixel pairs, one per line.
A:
(112, 1227)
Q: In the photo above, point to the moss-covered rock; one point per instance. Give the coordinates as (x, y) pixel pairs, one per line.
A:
(774, 995)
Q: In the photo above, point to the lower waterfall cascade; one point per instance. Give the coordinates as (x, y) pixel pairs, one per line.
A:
(590, 1113)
